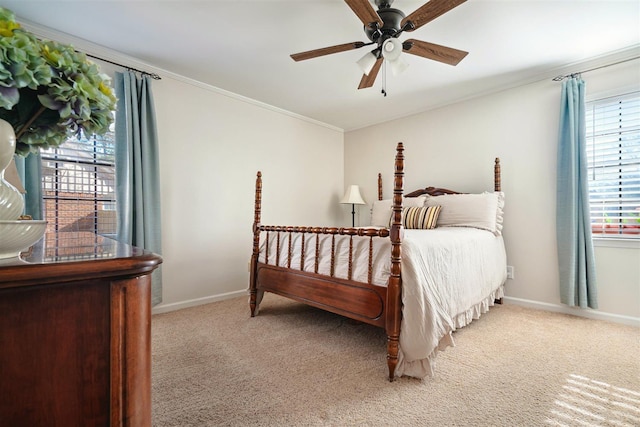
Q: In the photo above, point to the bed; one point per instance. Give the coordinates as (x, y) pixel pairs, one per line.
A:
(432, 261)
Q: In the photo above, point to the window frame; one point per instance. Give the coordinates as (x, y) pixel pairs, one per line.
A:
(612, 240)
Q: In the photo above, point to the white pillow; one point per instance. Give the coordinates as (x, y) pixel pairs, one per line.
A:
(381, 209)
(484, 211)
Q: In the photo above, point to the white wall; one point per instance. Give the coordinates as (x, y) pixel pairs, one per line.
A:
(212, 143)
(211, 146)
(454, 147)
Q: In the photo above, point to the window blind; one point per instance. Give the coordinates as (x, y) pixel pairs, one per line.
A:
(613, 155)
(78, 185)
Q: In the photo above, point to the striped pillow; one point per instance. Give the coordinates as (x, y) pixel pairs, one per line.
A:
(423, 217)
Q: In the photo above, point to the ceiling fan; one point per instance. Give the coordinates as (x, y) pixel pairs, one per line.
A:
(383, 28)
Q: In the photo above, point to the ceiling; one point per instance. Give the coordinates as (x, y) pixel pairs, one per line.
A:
(243, 47)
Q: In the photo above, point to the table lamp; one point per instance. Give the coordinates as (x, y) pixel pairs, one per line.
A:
(353, 197)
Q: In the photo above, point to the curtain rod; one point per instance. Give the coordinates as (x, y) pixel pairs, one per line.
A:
(566, 76)
(154, 76)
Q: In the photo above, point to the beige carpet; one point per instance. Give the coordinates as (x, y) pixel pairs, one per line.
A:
(294, 365)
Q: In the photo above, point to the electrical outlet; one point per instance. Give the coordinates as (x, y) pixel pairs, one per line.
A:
(510, 272)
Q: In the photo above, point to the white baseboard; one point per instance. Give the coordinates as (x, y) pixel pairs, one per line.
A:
(588, 313)
(557, 308)
(165, 308)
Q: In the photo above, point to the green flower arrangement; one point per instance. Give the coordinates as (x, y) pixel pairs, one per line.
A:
(48, 91)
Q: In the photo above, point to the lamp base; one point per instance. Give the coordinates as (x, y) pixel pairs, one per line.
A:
(353, 215)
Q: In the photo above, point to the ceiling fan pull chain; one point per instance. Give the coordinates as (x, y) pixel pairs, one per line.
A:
(384, 78)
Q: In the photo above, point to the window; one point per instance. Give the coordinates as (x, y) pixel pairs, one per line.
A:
(78, 185)
(613, 155)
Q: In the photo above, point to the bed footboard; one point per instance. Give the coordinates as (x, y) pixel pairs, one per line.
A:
(335, 288)
(360, 300)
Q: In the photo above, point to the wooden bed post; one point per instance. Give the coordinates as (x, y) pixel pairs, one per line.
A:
(497, 186)
(254, 300)
(394, 288)
(379, 186)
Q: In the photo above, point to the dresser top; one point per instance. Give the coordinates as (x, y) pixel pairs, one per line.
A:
(75, 256)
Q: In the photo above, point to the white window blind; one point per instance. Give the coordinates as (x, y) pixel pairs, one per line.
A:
(613, 154)
(78, 185)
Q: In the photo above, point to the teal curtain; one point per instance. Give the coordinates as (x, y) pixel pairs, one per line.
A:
(30, 173)
(573, 227)
(137, 169)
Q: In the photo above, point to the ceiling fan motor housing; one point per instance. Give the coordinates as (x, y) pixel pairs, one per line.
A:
(392, 19)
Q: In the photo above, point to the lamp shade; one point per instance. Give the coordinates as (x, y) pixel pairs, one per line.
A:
(398, 66)
(352, 196)
(367, 62)
(391, 49)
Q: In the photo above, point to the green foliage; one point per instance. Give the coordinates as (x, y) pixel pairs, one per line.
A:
(48, 91)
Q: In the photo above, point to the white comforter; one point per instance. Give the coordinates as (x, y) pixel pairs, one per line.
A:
(450, 276)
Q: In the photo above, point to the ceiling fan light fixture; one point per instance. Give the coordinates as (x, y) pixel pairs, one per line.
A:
(367, 62)
(391, 49)
(398, 66)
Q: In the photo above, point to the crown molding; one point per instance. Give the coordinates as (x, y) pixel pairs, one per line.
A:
(114, 56)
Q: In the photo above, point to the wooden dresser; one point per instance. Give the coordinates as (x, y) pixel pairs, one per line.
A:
(75, 334)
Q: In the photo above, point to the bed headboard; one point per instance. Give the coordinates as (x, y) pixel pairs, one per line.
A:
(433, 191)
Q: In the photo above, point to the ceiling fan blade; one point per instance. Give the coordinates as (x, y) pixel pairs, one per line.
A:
(428, 12)
(434, 51)
(364, 11)
(368, 80)
(326, 51)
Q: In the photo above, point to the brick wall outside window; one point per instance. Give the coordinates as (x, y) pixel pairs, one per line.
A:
(78, 186)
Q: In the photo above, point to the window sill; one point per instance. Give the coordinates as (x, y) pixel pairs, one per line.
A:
(604, 242)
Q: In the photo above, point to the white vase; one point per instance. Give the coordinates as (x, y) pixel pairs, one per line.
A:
(11, 200)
